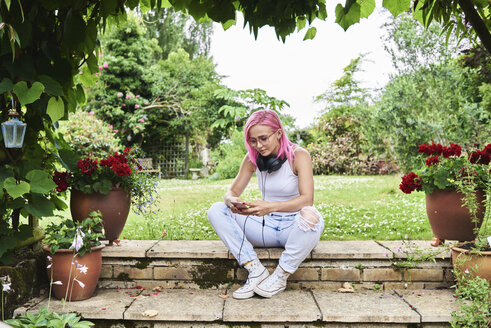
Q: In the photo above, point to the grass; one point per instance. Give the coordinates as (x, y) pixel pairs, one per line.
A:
(353, 207)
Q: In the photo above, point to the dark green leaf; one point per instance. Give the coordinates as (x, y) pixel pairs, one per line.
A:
(40, 206)
(40, 181)
(51, 86)
(6, 85)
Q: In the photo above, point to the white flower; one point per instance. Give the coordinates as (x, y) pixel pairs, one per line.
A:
(49, 258)
(49, 266)
(80, 283)
(78, 241)
(83, 269)
(57, 283)
(6, 287)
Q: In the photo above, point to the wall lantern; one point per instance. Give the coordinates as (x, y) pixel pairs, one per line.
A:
(13, 130)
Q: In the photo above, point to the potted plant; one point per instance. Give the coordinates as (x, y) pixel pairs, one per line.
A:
(74, 257)
(443, 169)
(458, 199)
(107, 185)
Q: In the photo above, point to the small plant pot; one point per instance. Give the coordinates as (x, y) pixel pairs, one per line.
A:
(474, 264)
(64, 268)
(449, 219)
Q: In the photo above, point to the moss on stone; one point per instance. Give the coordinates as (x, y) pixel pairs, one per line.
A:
(212, 273)
(123, 277)
(143, 263)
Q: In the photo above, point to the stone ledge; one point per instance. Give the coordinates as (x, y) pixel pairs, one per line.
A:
(292, 307)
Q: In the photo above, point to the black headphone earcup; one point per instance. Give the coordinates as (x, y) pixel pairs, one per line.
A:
(261, 165)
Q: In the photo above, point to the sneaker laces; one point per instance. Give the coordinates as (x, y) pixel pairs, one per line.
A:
(276, 279)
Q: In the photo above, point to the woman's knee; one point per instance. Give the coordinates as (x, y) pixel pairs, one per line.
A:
(309, 218)
(215, 211)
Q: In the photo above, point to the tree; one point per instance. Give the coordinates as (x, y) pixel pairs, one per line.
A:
(175, 30)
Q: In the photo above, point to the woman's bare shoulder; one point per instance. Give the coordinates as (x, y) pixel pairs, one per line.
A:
(302, 152)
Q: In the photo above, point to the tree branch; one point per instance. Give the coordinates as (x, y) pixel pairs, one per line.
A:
(477, 23)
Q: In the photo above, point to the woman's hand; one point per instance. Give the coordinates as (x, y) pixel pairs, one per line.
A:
(258, 208)
(229, 201)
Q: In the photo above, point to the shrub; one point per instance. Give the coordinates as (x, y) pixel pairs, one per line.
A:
(229, 155)
(90, 136)
(339, 149)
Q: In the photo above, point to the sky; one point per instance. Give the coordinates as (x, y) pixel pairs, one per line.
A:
(297, 71)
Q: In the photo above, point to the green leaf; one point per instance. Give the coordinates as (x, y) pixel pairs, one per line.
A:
(6, 85)
(7, 4)
(80, 94)
(74, 29)
(59, 203)
(367, 8)
(396, 6)
(28, 95)
(7, 243)
(311, 32)
(4, 174)
(345, 20)
(228, 24)
(40, 181)
(92, 64)
(69, 159)
(51, 86)
(15, 189)
(301, 23)
(39, 206)
(56, 109)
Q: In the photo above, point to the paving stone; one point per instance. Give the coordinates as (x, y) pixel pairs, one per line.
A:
(352, 249)
(400, 248)
(433, 305)
(364, 306)
(403, 285)
(128, 248)
(105, 304)
(203, 249)
(178, 305)
(289, 306)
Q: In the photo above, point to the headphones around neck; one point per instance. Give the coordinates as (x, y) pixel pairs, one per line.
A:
(269, 163)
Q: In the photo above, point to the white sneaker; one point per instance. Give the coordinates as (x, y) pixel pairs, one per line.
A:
(257, 273)
(274, 284)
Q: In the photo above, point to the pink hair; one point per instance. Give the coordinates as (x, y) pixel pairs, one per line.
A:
(270, 118)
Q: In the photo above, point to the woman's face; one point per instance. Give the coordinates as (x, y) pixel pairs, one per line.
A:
(264, 139)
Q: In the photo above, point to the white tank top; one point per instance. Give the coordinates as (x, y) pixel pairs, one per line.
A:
(278, 186)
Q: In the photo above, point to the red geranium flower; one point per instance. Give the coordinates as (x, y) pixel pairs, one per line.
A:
(88, 165)
(432, 160)
(410, 182)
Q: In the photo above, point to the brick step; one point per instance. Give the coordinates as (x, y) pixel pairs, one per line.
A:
(120, 308)
(209, 265)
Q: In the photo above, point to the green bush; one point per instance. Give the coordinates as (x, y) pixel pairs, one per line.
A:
(339, 148)
(229, 155)
(90, 136)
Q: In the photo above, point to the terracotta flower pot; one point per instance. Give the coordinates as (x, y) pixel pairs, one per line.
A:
(448, 219)
(64, 269)
(114, 208)
(470, 262)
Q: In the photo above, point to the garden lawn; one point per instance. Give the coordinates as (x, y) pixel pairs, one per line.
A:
(354, 208)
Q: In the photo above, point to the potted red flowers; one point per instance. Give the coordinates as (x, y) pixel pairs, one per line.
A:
(106, 185)
(446, 176)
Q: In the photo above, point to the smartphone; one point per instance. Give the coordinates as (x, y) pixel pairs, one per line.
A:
(240, 206)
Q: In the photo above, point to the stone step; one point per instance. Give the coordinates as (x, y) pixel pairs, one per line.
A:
(120, 308)
(208, 264)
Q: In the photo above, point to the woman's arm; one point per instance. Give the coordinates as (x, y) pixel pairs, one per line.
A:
(302, 166)
(240, 183)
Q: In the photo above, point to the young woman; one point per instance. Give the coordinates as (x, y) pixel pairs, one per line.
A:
(284, 217)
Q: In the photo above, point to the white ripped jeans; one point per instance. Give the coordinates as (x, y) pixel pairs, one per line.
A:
(297, 232)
